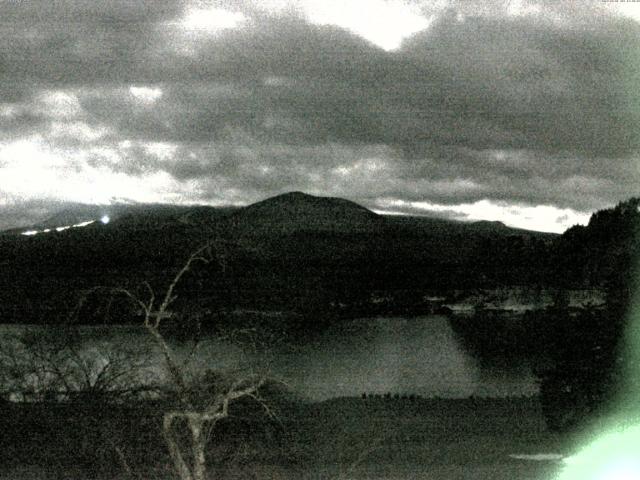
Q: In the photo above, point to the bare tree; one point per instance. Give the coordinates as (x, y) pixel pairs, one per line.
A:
(200, 405)
(71, 366)
(58, 364)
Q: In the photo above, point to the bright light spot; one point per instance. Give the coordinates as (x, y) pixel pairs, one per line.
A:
(105, 219)
(83, 224)
(383, 22)
(211, 19)
(544, 218)
(146, 94)
(66, 227)
(628, 9)
(615, 456)
(622, 472)
(537, 457)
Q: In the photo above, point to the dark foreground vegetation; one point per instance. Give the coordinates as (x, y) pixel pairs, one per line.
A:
(579, 356)
(376, 437)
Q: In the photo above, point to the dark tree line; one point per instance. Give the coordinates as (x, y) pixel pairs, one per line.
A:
(589, 350)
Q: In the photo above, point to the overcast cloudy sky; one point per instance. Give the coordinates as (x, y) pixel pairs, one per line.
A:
(522, 111)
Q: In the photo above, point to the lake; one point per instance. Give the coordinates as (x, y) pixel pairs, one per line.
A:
(420, 356)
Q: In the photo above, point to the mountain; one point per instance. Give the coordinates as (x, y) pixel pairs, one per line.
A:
(282, 214)
(297, 211)
(491, 226)
(77, 214)
(290, 252)
(129, 215)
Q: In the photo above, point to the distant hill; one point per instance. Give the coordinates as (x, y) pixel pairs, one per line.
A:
(492, 226)
(292, 252)
(297, 211)
(77, 214)
(131, 215)
(442, 226)
(283, 214)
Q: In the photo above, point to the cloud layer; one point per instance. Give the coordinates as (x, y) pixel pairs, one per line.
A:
(517, 104)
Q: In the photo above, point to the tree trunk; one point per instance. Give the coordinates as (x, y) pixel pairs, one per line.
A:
(198, 471)
(198, 445)
(174, 449)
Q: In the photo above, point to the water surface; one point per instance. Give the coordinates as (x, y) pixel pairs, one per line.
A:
(371, 355)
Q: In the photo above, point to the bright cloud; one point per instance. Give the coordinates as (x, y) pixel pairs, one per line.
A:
(630, 9)
(361, 167)
(383, 22)
(520, 7)
(161, 150)
(32, 169)
(544, 218)
(58, 104)
(27, 169)
(200, 21)
(211, 20)
(7, 110)
(146, 95)
(76, 130)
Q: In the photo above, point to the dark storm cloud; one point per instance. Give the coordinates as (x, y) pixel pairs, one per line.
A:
(521, 109)
(76, 42)
(549, 88)
(482, 82)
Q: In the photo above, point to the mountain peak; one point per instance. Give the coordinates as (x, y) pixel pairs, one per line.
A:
(299, 211)
(295, 194)
(497, 224)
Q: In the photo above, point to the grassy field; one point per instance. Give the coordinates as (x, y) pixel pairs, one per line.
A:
(430, 438)
(346, 438)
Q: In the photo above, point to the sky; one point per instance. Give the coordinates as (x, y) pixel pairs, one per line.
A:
(526, 112)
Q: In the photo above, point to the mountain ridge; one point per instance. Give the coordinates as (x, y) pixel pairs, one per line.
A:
(298, 211)
(298, 252)
(287, 212)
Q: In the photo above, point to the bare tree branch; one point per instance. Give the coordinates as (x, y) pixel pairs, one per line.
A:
(170, 297)
(198, 416)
